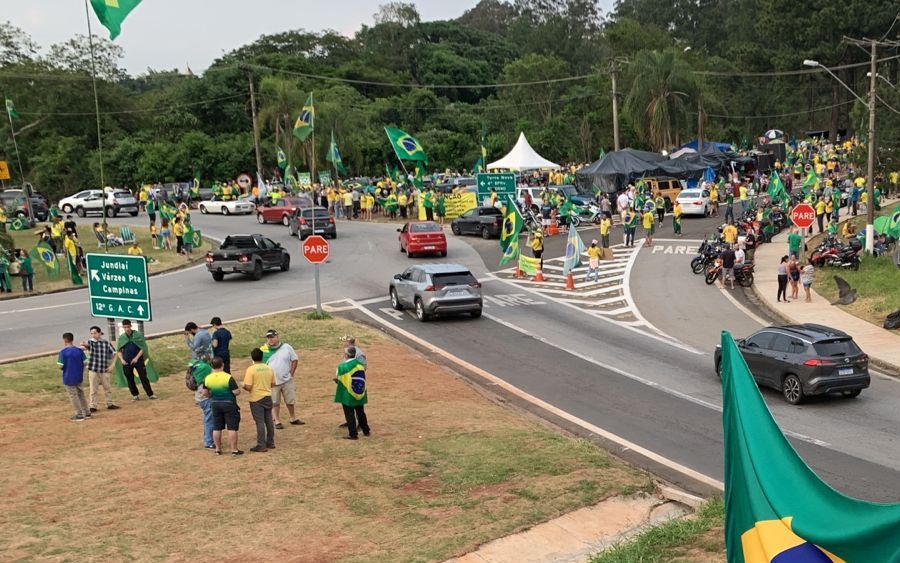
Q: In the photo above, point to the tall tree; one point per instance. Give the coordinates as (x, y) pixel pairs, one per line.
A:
(281, 99)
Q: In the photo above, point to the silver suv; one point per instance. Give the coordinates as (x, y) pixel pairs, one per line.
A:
(437, 289)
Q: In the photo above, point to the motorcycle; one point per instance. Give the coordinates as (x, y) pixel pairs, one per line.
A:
(833, 253)
(706, 255)
(743, 273)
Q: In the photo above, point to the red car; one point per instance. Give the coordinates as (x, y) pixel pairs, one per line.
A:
(422, 237)
(281, 210)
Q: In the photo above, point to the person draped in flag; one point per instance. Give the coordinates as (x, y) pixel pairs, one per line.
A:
(5, 282)
(352, 393)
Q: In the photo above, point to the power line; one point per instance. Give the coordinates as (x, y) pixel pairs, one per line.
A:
(789, 72)
(813, 110)
(130, 111)
(887, 105)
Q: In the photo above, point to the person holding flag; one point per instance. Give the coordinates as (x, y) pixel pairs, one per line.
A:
(574, 250)
(71, 249)
(509, 231)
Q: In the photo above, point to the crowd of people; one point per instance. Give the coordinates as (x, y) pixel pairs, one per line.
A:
(269, 381)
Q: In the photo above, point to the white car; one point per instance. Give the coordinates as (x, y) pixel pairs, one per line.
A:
(92, 201)
(694, 202)
(232, 207)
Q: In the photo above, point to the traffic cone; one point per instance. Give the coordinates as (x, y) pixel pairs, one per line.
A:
(570, 281)
(552, 230)
(539, 277)
(519, 273)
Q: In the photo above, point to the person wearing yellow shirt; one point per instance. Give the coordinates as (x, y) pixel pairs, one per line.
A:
(730, 233)
(348, 204)
(860, 182)
(714, 201)
(676, 218)
(135, 250)
(178, 231)
(605, 228)
(820, 214)
(594, 254)
(537, 246)
(494, 197)
(649, 220)
(744, 196)
(2, 219)
(402, 201)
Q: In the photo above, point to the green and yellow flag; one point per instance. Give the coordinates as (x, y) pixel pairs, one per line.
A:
(509, 231)
(776, 509)
(334, 156)
(405, 145)
(11, 109)
(112, 13)
(306, 121)
(282, 159)
(351, 383)
(44, 254)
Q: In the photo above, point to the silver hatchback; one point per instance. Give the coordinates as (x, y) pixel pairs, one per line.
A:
(437, 289)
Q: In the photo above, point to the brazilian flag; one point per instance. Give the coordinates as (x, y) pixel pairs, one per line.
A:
(282, 158)
(405, 145)
(306, 121)
(351, 388)
(112, 13)
(511, 227)
(776, 509)
(45, 255)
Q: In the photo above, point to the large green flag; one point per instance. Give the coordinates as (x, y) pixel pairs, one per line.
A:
(334, 156)
(112, 13)
(776, 508)
(509, 231)
(405, 145)
(306, 121)
(351, 383)
(282, 159)
(11, 109)
(811, 182)
(45, 255)
(776, 190)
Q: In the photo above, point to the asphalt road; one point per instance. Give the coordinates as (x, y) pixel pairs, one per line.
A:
(655, 387)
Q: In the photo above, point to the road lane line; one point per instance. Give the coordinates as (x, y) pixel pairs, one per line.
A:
(30, 309)
(638, 378)
(622, 442)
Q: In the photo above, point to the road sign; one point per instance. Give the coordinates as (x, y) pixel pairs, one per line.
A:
(119, 286)
(504, 184)
(803, 215)
(4, 170)
(315, 249)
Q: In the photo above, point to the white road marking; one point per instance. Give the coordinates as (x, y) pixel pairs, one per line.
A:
(43, 308)
(374, 300)
(622, 442)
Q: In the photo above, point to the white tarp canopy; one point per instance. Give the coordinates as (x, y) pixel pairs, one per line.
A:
(522, 157)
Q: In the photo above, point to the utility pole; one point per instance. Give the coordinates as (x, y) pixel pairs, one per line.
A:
(255, 123)
(615, 108)
(870, 172)
(699, 126)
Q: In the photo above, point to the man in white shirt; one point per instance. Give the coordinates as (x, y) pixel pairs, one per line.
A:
(739, 255)
(283, 360)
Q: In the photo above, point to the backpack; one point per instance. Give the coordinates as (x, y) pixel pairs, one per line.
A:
(189, 380)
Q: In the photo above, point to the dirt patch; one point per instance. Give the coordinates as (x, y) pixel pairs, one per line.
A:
(444, 471)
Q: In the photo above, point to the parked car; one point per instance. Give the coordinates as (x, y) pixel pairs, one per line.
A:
(14, 201)
(281, 210)
(231, 207)
(668, 187)
(579, 198)
(301, 223)
(804, 360)
(247, 254)
(484, 221)
(92, 201)
(422, 237)
(694, 202)
(437, 289)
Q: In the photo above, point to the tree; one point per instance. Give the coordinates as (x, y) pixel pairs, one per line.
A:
(16, 46)
(281, 100)
(75, 55)
(492, 16)
(660, 95)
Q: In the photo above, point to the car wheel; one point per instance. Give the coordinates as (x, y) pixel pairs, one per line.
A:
(218, 276)
(485, 233)
(203, 210)
(225, 211)
(134, 213)
(476, 314)
(111, 212)
(80, 212)
(286, 263)
(257, 271)
(851, 394)
(260, 219)
(395, 301)
(67, 208)
(454, 228)
(285, 220)
(420, 311)
(792, 389)
(402, 250)
(706, 211)
(719, 368)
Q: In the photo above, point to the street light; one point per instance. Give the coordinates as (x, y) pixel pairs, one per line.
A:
(870, 172)
(886, 81)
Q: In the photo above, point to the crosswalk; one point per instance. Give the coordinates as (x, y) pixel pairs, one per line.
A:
(608, 297)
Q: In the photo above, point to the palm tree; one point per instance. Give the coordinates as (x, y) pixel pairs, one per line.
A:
(281, 99)
(659, 98)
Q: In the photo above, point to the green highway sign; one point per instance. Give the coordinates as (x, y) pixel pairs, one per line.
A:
(119, 286)
(504, 183)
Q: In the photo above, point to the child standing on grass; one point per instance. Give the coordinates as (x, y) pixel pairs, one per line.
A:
(165, 235)
(71, 360)
(154, 234)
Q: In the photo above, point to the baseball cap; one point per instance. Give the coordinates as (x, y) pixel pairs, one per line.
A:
(271, 332)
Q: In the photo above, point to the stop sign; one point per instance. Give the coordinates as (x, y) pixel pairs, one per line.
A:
(803, 215)
(315, 249)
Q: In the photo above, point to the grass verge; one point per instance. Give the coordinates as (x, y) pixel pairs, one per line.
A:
(698, 538)
(159, 260)
(444, 471)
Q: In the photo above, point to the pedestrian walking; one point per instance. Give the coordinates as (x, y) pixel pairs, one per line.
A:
(605, 228)
(594, 253)
(649, 226)
(806, 278)
(258, 380)
(198, 341)
(71, 361)
(782, 279)
(134, 356)
(351, 393)
(100, 365)
(221, 341)
(283, 360)
(223, 390)
(676, 218)
(660, 204)
(630, 221)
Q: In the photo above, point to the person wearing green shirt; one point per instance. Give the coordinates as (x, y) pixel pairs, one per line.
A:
(5, 282)
(876, 200)
(151, 210)
(836, 204)
(27, 271)
(794, 241)
(440, 208)
(428, 204)
(660, 204)
(630, 221)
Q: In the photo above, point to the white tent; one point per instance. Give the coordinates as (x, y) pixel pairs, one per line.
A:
(522, 157)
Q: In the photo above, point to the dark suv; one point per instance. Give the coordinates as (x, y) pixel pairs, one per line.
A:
(802, 360)
(301, 223)
(14, 202)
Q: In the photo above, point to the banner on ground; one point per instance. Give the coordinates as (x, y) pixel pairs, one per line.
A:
(454, 205)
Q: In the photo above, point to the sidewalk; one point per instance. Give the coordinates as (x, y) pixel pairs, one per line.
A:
(883, 346)
(574, 537)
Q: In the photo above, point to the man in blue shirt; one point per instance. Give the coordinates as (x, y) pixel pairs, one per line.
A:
(221, 339)
(198, 341)
(71, 360)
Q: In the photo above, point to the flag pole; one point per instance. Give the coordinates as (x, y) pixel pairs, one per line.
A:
(87, 13)
(25, 189)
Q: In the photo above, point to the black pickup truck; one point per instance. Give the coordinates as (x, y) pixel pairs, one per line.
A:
(247, 254)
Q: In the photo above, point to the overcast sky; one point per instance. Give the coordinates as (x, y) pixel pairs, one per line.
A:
(167, 34)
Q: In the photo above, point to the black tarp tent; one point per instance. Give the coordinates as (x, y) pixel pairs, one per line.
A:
(616, 169)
